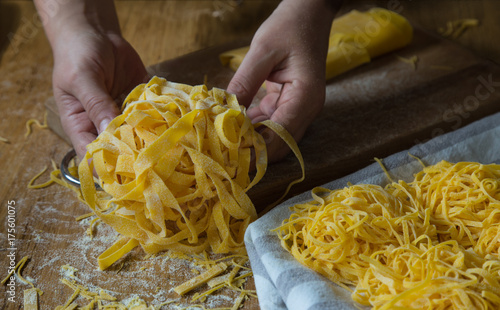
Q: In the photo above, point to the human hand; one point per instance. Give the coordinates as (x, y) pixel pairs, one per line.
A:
(288, 52)
(94, 66)
(92, 73)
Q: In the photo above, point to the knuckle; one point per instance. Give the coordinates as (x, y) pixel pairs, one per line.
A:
(260, 47)
(239, 86)
(93, 105)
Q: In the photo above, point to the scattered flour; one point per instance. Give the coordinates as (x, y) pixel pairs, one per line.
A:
(63, 249)
(135, 276)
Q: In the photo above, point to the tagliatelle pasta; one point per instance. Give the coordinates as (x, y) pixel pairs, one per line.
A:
(412, 61)
(36, 122)
(175, 170)
(432, 243)
(463, 200)
(93, 296)
(456, 28)
(30, 299)
(200, 279)
(30, 296)
(55, 177)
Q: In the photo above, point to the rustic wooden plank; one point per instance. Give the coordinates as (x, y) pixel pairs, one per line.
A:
(373, 111)
(385, 107)
(46, 229)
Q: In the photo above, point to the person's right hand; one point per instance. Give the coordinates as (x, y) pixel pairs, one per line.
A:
(92, 73)
(94, 66)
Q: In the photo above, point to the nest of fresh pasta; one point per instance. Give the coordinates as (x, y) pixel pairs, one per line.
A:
(175, 169)
(433, 243)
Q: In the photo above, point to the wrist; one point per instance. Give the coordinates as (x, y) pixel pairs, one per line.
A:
(77, 16)
(317, 10)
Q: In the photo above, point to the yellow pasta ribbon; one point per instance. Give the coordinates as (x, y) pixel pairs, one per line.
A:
(36, 122)
(433, 243)
(454, 29)
(175, 167)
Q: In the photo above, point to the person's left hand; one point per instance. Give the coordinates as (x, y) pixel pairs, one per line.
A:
(288, 52)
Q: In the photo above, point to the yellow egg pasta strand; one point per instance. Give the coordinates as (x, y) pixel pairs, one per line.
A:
(175, 167)
(30, 299)
(32, 121)
(432, 243)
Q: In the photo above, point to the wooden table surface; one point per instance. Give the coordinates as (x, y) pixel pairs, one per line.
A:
(159, 30)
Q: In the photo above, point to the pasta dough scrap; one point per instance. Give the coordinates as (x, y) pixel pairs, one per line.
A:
(32, 121)
(55, 177)
(30, 299)
(454, 29)
(355, 38)
(96, 295)
(200, 279)
(30, 296)
(175, 170)
(411, 60)
(432, 243)
(238, 301)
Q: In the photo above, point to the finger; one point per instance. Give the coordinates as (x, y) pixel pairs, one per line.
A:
(91, 92)
(81, 140)
(265, 109)
(253, 71)
(256, 115)
(276, 147)
(75, 122)
(298, 105)
(269, 103)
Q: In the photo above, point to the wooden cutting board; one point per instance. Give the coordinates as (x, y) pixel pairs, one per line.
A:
(372, 111)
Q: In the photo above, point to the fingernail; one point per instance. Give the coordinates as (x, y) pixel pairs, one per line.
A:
(104, 124)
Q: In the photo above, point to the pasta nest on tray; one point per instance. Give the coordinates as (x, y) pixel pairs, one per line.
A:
(175, 166)
(433, 243)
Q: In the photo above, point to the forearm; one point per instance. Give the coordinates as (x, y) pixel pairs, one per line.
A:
(312, 21)
(315, 11)
(62, 17)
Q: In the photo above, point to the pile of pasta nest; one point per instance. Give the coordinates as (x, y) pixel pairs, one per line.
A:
(175, 169)
(432, 243)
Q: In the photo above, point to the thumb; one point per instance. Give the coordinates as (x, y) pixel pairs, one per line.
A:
(253, 71)
(97, 102)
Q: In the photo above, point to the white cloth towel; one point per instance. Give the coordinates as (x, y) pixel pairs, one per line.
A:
(283, 283)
